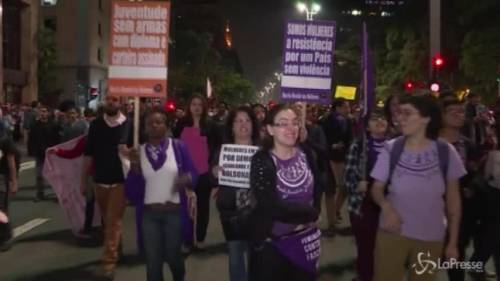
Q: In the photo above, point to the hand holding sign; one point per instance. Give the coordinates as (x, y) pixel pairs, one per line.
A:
(3, 217)
(216, 171)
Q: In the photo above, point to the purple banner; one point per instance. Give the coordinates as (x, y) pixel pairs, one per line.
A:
(308, 61)
(302, 249)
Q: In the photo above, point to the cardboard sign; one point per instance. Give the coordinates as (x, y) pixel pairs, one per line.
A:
(235, 162)
(346, 92)
(138, 56)
(308, 61)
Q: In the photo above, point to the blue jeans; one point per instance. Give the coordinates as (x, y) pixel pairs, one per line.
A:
(237, 260)
(162, 234)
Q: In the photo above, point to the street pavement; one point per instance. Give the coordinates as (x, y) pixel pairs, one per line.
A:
(47, 251)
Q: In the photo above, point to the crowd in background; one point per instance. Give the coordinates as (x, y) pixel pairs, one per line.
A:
(420, 174)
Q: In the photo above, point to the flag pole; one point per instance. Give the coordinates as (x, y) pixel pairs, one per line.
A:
(364, 114)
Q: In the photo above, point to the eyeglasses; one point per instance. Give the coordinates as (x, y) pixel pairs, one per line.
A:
(407, 113)
(283, 124)
(456, 111)
(378, 118)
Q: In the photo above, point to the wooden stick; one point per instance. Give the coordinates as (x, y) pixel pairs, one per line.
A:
(136, 121)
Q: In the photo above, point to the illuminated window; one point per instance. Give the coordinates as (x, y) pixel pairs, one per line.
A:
(48, 3)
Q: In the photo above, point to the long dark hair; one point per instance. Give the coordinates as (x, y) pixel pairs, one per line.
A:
(268, 141)
(228, 129)
(428, 107)
(387, 108)
(188, 119)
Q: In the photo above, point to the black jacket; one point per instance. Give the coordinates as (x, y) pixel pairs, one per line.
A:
(269, 208)
(42, 135)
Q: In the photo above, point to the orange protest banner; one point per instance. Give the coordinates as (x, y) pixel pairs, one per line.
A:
(139, 36)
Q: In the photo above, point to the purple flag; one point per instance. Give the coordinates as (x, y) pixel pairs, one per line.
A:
(368, 94)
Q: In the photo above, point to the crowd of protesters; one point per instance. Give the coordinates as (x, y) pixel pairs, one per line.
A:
(420, 175)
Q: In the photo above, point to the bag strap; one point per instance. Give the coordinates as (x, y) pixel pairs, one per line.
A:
(395, 154)
(398, 148)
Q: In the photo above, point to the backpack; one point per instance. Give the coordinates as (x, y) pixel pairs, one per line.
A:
(398, 148)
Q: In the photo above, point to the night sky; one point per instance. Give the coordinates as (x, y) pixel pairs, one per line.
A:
(258, 32)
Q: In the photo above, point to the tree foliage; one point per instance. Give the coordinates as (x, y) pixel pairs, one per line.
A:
(233, 88)
(480, 58)
(195, 59)
(470, 46)
(47, 60)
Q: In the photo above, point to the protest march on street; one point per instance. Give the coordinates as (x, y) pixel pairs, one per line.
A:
(229, 140)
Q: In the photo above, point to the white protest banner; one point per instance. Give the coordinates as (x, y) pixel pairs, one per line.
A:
(235, 163)
(64, 176)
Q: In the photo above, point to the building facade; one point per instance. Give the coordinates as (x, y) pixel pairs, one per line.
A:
(18, 74)
(81, 29)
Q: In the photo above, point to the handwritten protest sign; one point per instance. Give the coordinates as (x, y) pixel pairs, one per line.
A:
(235, 163)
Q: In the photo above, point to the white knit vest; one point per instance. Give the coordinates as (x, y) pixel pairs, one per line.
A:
(159, 184)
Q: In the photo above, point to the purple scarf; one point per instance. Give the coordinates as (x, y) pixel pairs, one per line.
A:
(157, 155)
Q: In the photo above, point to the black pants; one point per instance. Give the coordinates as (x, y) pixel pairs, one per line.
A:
(40, 183)
(203, 191)
(5, 228)
(267, 264)
(89, 211)
(490, 242)
(469, 231)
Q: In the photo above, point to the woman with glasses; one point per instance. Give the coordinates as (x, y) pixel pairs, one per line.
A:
(363, 211)
(283, 233)
(417, 188)
(233, 202)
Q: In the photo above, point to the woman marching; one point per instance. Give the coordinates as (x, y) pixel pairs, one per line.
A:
(200, 135)
(420, 208)
(363, 211)
(160, 186)
(232, 202)
(284, 237)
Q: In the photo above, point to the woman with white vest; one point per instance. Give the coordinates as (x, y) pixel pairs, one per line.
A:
(160, 186)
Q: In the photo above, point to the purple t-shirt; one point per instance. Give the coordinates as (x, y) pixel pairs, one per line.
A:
(295, 183)
(417, 189)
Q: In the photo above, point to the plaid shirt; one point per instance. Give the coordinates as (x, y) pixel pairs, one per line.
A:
(352, 177)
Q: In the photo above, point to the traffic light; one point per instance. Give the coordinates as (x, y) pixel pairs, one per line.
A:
(437, 62)
(434, 81)
(170, 106)
(409, 86)
(435, 87)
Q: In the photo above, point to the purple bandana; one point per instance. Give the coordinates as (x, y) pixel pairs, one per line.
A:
(157, 155)
(302, 249)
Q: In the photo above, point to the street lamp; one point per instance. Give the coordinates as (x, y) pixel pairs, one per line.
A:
(310, 11)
